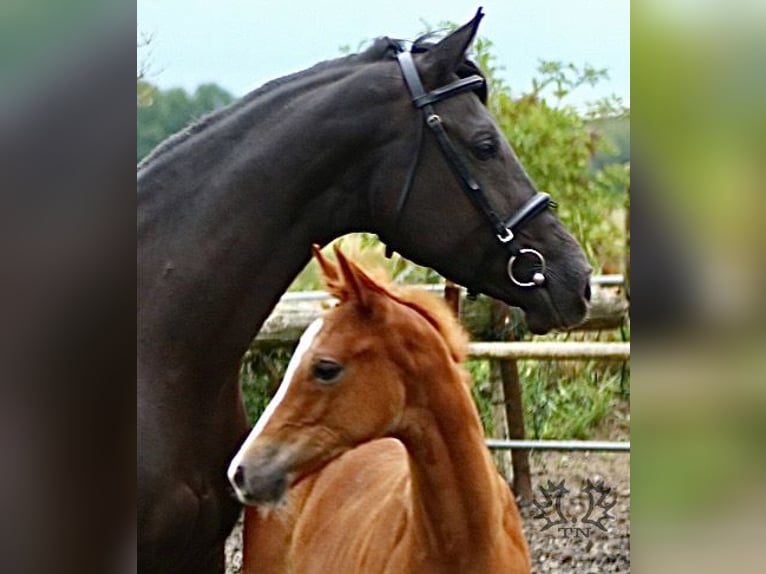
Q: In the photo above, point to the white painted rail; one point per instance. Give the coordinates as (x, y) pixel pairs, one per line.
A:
(547, 350)
(585, 445)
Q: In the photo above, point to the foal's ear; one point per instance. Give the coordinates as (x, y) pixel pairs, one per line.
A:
(331, 275)
(445, 57)
(357, 283)
(329, 270)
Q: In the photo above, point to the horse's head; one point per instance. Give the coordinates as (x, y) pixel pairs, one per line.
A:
(450, 183)
(352, 379)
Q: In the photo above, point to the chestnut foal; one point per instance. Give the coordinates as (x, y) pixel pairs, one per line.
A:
(371, 458)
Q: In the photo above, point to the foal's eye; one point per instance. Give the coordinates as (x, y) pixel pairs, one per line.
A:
(485, 149)
(326, 370)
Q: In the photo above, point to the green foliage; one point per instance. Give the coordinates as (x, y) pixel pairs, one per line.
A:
(260, 374)
(567, 405)
(481, 391)
(565, 78)
(615, 132)
(162, 113)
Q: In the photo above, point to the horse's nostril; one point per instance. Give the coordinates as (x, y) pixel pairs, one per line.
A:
(587, 291)
(239, 477)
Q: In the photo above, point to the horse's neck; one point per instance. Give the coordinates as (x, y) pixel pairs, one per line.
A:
(226, 221)
(458, 500)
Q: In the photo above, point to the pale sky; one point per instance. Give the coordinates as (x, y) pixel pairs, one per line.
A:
(240, 44)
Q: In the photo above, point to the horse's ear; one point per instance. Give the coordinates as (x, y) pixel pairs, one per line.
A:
(445, 57)
(329, 270)
(330, 273)
(357, 283)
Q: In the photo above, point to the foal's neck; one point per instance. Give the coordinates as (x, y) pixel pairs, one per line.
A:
(457, 494)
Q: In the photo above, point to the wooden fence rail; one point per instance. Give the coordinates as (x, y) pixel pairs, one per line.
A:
(550, 350)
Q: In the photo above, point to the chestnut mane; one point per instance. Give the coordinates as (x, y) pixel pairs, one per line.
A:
(433, 309)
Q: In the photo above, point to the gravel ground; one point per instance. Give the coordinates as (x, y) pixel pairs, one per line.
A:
(234, 549)
(588, 550)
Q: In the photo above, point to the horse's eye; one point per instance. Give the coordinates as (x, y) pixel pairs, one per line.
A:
(326, 370)
(485, 149)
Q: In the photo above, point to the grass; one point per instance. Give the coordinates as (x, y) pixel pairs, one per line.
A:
(562, 400)
(565, 403)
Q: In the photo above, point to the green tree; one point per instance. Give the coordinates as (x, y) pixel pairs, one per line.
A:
(162, 113)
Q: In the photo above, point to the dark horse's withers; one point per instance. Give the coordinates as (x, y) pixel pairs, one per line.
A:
(227, 214)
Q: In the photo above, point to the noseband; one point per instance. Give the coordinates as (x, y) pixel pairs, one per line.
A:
(504, 230)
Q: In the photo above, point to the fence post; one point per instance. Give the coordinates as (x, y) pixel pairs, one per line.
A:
(452, 296)
(514, 408)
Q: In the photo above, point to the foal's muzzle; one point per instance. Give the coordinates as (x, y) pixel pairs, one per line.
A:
(259, 483)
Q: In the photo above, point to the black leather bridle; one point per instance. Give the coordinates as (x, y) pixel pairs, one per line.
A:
(504, 230)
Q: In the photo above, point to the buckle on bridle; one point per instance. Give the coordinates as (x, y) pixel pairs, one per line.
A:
(506, 237)
(433, 120)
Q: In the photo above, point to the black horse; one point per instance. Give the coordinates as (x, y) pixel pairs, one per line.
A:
(228, 211)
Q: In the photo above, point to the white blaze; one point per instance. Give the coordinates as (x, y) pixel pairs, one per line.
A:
(304, 345)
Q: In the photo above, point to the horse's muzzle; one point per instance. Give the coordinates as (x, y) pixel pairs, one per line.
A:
(259, 484)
